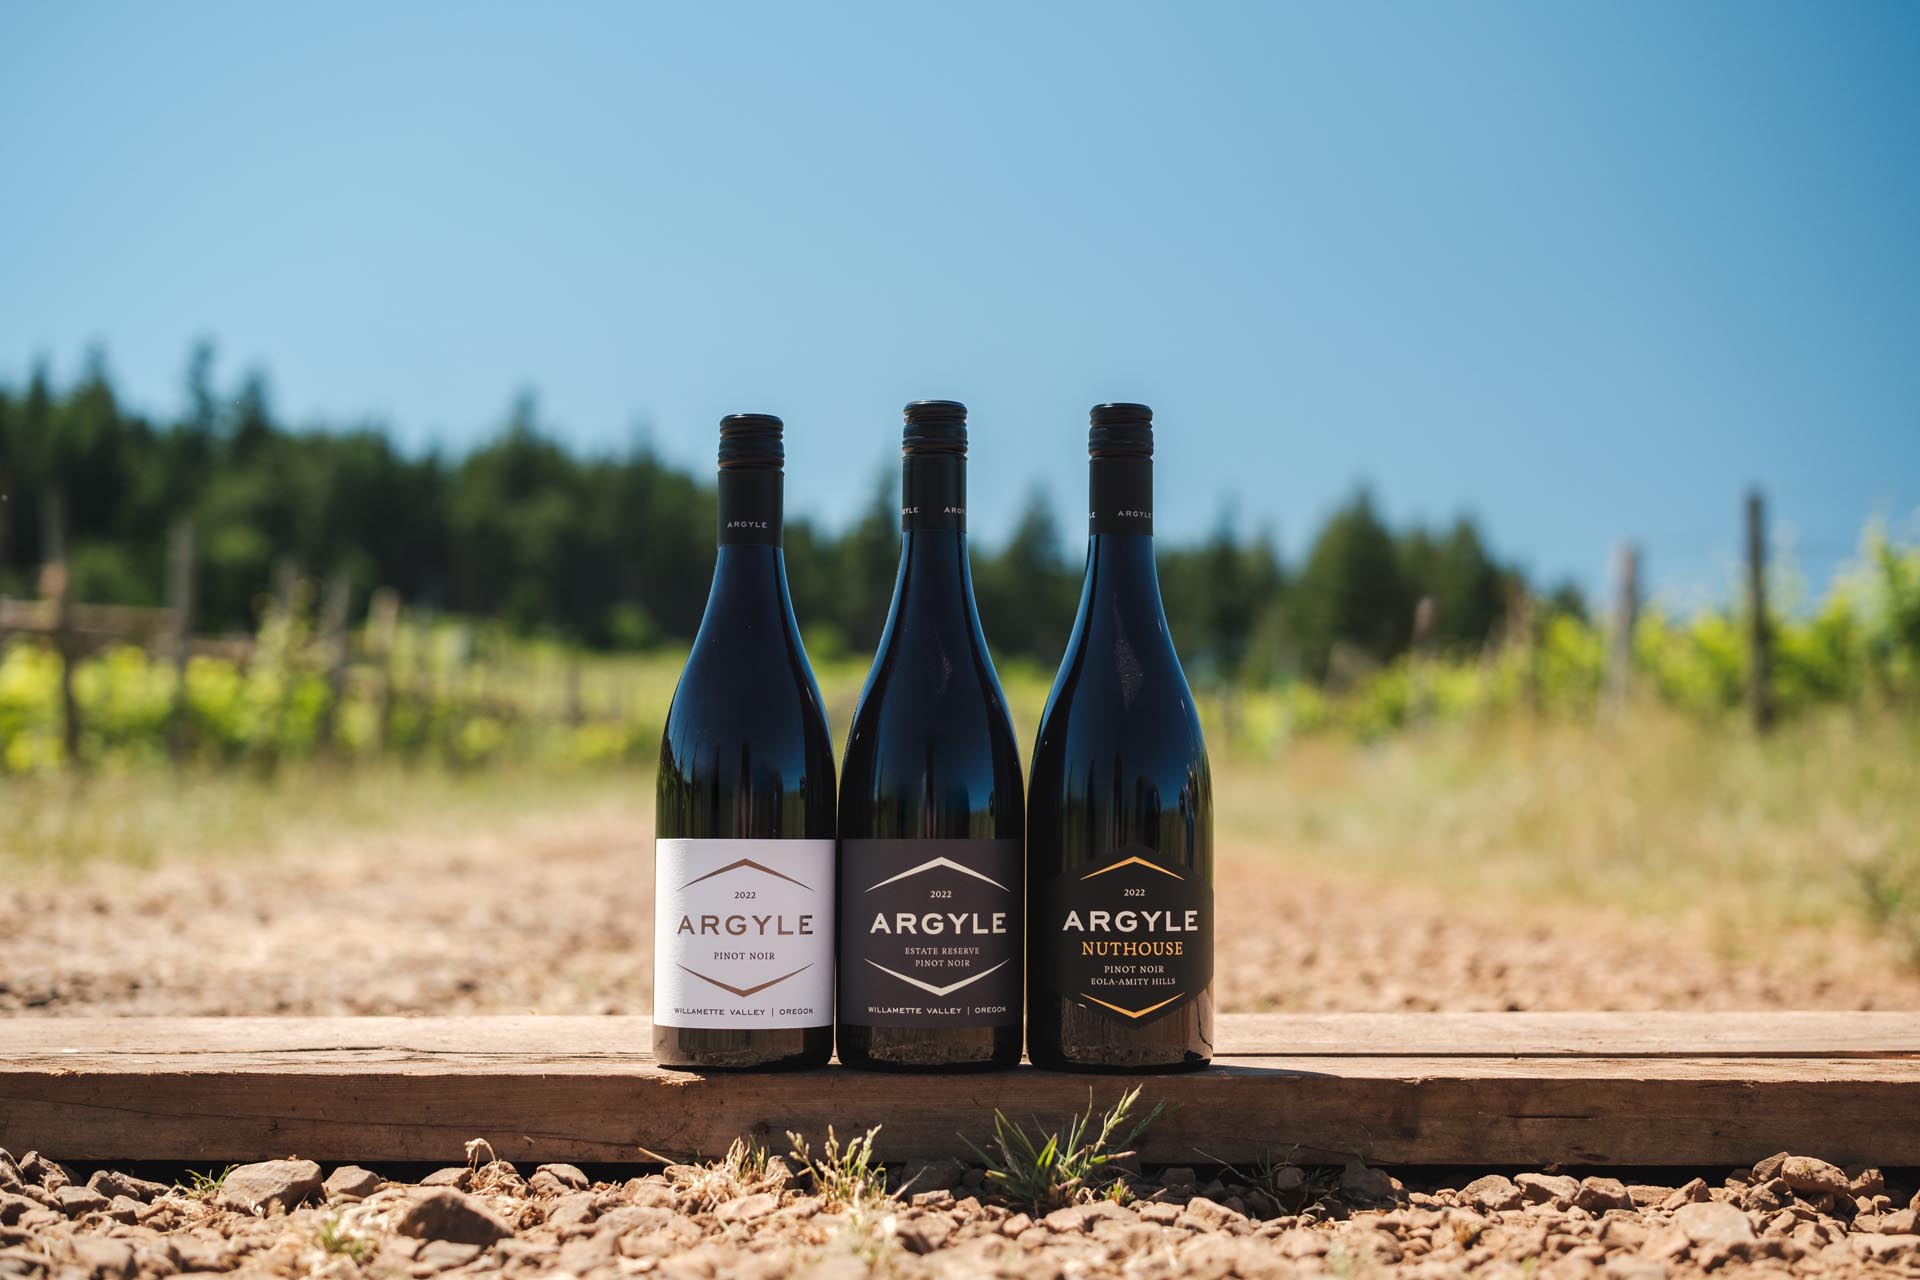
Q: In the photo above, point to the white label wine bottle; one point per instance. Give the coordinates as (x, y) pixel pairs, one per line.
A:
(1120, 806)
(744, 813)
(931, 872)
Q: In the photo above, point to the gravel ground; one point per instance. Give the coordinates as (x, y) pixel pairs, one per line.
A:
(1789, 1215)
(555, 919)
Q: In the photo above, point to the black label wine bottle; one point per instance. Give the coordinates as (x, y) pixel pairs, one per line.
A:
(744, 819)
(931, 874)
(1120, 816)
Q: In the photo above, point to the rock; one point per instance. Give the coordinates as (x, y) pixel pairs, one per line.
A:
(443, 1213)
(74, 1201)
(1176, 1176)
(1804, 1173)
(45, 1173)
(257, 1188)
(1207, 1215)
(456, 1176)
(1155, 1212)
(1901, 1222)
(1079, 1218)
(105, 1259)
(14, 1207)
(1492, 1193)
(109, 1183)
(941, 1199)
(1647, 1197)
(573, 1212)
(1547, 1188)
(1373, 1184)
(351, 1182)
(1597, 1195)
(1625, 1267)
(1864, 1180)
(1716, 1231)
(124, 1209)
(584, 1253)
(1769, 1169)
(1693, 1192)
(1887, 1248)
(1016, 1224)
(443, 1255)
(568, 1176)
(11, 1179)
(1764, 1197)
(749, 1208)
(925, 1234)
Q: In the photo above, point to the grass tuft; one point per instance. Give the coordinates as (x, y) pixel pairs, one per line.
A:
(336, 1238)
(204, 1186)
(846, 1175)
(1052, 1170)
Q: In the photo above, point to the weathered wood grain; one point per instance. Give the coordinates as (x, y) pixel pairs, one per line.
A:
(1421, 1088)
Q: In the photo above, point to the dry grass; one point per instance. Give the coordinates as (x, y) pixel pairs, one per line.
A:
(1794, 840)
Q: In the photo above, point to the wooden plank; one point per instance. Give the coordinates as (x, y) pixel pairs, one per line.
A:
(1843, 1086)
(472, 1041)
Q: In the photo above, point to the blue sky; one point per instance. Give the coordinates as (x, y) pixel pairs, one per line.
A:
(1583, 272)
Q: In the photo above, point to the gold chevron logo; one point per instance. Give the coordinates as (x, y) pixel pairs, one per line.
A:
(1134, 861)
(1131, 1013)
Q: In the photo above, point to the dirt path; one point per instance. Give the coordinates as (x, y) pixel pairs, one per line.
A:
(555, 918)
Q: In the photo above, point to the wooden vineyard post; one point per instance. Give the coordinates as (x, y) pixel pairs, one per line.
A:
(1759, 632)
(1625, 617)
(57, 582)
(180, 553)
(333, 630)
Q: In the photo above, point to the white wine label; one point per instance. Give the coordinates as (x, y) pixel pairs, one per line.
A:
(743, 933)
(1130, 936)
(931, 932)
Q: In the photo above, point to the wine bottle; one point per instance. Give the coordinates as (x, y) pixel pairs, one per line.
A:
(1120, 816)
(932, 880)
(744, 815)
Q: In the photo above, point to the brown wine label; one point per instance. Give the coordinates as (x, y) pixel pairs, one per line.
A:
(930, 932)
(1130, 936)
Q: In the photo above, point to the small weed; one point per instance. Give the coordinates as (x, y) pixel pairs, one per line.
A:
(204, 1186)
(843, 1175)
(1119, 1192)
(335, 1238)
(742, 1171)
(1051, 1170)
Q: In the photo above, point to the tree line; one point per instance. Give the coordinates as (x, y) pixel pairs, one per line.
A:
(615, 551)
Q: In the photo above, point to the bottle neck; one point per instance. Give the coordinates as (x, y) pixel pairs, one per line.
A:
(934, 580)
(750, 507)
(1120, 563)
(749, 572)
(933, 493)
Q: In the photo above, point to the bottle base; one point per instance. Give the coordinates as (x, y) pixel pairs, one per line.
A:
(690, 1049)
(1049, 1063)
(908, 1050)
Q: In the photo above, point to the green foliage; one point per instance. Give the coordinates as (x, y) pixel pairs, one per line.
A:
(1050, 1170)
(334, 1237)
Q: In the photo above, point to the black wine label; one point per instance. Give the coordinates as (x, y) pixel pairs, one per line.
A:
(930, 932)
(1130, 936)
(1120, 495)
(750, 502)
(933, 492)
